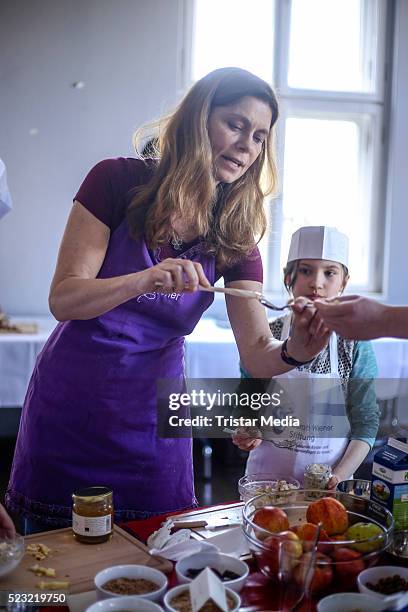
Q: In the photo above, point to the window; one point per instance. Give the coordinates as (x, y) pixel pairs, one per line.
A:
(326, 60)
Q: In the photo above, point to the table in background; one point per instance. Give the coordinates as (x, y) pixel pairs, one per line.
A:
(18, 353)
(211, 352)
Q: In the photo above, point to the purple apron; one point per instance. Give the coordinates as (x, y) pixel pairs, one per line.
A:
(89, 416)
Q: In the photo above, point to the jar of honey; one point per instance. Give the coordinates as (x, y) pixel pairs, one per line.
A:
(92, 514)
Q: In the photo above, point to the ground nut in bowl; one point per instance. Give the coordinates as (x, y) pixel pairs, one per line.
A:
(278, 488)
(340, 557)
(225, 566)
(130, 580)
(177, 599)
(11, 553)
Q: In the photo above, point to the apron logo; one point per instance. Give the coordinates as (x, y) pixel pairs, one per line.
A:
(153, 296)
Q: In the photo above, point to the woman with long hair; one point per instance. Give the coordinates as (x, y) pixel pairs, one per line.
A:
(142, 236)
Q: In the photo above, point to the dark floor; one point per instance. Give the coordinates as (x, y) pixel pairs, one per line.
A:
(216, 477)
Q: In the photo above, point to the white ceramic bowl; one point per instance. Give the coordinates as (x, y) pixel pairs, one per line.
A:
(374, 574)
(217, 561)
(347, 602)
(11, 553)
(131, 571)
(129, 602)
(181, 587)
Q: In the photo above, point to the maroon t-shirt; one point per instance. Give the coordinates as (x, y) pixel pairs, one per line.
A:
(105, 193)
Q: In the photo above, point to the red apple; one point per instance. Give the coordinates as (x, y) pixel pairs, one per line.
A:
(322, 572)
(271, 518)
(307, 533)
(285, 548)
(330, 512)
(347, 565)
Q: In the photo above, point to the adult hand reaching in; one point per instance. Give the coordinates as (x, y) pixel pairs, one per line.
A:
(354, 317)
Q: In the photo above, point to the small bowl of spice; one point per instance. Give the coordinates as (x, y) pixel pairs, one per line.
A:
(178, 599)
(231, 571)
(384, 581)
(130, 580)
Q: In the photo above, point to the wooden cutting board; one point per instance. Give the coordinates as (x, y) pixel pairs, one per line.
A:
(78, 563)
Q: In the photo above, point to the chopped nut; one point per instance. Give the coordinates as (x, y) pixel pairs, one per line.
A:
(42, 571)
(53, 585)
(38, 551)
(44, 549)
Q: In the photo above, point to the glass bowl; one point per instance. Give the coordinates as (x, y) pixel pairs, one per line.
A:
(276, 488)
(11, 553)
(339, 558)
(355, 486)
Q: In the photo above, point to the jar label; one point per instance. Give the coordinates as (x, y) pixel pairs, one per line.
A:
(91, 525)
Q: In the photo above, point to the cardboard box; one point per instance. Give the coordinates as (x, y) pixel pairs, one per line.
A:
(389, 480)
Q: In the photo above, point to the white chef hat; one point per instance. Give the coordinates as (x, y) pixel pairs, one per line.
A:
(319, 242)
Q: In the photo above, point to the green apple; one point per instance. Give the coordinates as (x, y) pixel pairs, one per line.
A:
(364, 531)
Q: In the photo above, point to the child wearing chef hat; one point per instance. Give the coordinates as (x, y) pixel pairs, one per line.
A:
(317, 267)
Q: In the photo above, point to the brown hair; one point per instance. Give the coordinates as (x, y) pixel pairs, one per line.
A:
(229, 217)
(291, 270)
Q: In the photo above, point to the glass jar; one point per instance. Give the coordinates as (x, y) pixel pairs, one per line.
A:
(92, 515)
(317, 476)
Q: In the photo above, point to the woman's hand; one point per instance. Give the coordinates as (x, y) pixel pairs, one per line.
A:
(77, 292)
(171, 276)
(244, 440)
(6, 524)
(309, 334)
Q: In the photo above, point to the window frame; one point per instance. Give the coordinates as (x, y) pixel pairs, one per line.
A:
(374, 144)
(305, 102)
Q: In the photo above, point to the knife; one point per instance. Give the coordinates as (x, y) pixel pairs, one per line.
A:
(216, 524)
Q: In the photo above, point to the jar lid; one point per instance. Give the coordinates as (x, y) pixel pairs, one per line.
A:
(92, 494)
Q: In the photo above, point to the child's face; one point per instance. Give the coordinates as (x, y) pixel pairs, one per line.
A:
(317, 278)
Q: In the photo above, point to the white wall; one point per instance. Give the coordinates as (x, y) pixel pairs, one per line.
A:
(126, 52)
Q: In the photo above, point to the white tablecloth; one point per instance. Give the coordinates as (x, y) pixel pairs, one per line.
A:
(18, 353)
(211, 352)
